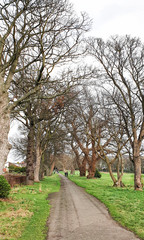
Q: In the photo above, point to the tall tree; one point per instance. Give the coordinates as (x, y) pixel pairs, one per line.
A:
(81, 122)
(35, 36)
(121, 71)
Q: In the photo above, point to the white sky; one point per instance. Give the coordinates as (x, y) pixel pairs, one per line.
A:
(111, 17)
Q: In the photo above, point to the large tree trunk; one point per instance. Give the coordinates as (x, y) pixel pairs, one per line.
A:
(30, 156)
(42, 170)
(92, 164)
(38, 161)
(137, 166)
(91, 170)
(45, 163)
(4, 130)
(82, 168)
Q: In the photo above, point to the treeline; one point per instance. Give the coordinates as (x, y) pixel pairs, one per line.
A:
(94, 111)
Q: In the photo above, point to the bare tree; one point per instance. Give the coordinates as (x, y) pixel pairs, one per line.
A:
(111, 150)
(121, 71)
(35, 36)
(39, 112)
(81, 122)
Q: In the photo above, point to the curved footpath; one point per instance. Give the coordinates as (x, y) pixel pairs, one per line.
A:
(76, 215)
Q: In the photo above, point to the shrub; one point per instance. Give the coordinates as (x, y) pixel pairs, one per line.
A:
(23, 169)
(4, 187)
(11, 168)
(97, 174)
(17, 169)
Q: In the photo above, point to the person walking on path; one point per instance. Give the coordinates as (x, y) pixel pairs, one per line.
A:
(76, 215)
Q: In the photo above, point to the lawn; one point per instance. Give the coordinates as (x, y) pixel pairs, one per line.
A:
(24, 215)
(125, 205)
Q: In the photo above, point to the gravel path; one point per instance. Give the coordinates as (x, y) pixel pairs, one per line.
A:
(76, 215)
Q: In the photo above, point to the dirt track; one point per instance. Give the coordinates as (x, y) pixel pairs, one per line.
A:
(76, 215)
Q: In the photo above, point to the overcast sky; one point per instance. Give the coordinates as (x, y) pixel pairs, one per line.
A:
(112, 17)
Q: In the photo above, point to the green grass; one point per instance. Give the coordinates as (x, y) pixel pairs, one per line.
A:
(125, 204)
(24, 215)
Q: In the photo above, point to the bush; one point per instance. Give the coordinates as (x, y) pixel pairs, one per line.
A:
(17, 169)
(11, 168)
(4, 187)
(97, 174)
(23, 169)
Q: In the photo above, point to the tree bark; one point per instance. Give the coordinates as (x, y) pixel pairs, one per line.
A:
(42, 170)
(94, 158)
(120, 174)
(52, 167)
(82, 168)
(30, 156)
(111, 174)
(92, 165)
(91, 170)
(4, 130)
(38, 162)
(137, 166)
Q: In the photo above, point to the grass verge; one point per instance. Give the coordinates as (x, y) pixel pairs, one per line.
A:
(24, 215)
(125, 205)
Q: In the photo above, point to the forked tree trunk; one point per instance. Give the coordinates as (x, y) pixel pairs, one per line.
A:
(92, 166)
(91, 170)
(81, 166)
(119, 182)
(137, 166)
(120, 174)
(30, 156)
(4, 130)
(116, 182)
(94, 157)
(111, 174)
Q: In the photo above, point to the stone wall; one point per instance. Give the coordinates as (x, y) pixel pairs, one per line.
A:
(15, 179)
